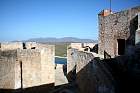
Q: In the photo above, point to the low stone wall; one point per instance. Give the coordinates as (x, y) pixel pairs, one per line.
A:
(11, 45)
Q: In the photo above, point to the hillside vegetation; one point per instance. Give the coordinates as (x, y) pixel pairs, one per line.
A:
(61, 50)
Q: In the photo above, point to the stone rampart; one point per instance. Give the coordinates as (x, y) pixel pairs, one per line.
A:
(23, 68)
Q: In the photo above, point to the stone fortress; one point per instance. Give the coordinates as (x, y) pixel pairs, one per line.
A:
(111, 66)
(114, 68)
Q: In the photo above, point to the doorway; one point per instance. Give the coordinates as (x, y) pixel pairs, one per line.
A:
(121, 46)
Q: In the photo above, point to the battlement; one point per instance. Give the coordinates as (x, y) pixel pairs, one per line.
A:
(20, 45)
(11, 45)
(28, 52)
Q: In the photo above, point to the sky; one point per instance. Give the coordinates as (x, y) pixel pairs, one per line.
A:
(25, 19)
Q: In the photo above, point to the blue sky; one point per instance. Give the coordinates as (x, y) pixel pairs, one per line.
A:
(24, 19)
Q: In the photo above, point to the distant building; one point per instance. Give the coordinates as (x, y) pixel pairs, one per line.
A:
(83, 46)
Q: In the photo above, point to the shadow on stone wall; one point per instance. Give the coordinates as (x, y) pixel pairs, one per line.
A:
(71, 76)
(95, 78)
(133, 27)
(106, 55)
(126, 72)
(115, 75)
(46, 88)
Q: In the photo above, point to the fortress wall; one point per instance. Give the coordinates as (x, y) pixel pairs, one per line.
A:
(120, 25)
(38, 65)
(48, 64)
(7, 69)
(84, 74)
(17, 73)
(27, 67)
(101, 38)
(71, 59)
(80, 61)
(83, 59)
(91, 75)
(31, 67)
(11, 45)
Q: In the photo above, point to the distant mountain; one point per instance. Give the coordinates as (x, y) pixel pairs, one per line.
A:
(61, 40)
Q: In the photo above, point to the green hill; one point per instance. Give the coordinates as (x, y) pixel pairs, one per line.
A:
(61, 49)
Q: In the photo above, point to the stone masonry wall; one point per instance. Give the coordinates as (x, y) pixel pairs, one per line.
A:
(33, 66)
(116, 26)
(7, 69)
(84, 79)
(11, 45)
(71, 59)
(83, 59)
(48, 64)
(92, 76)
